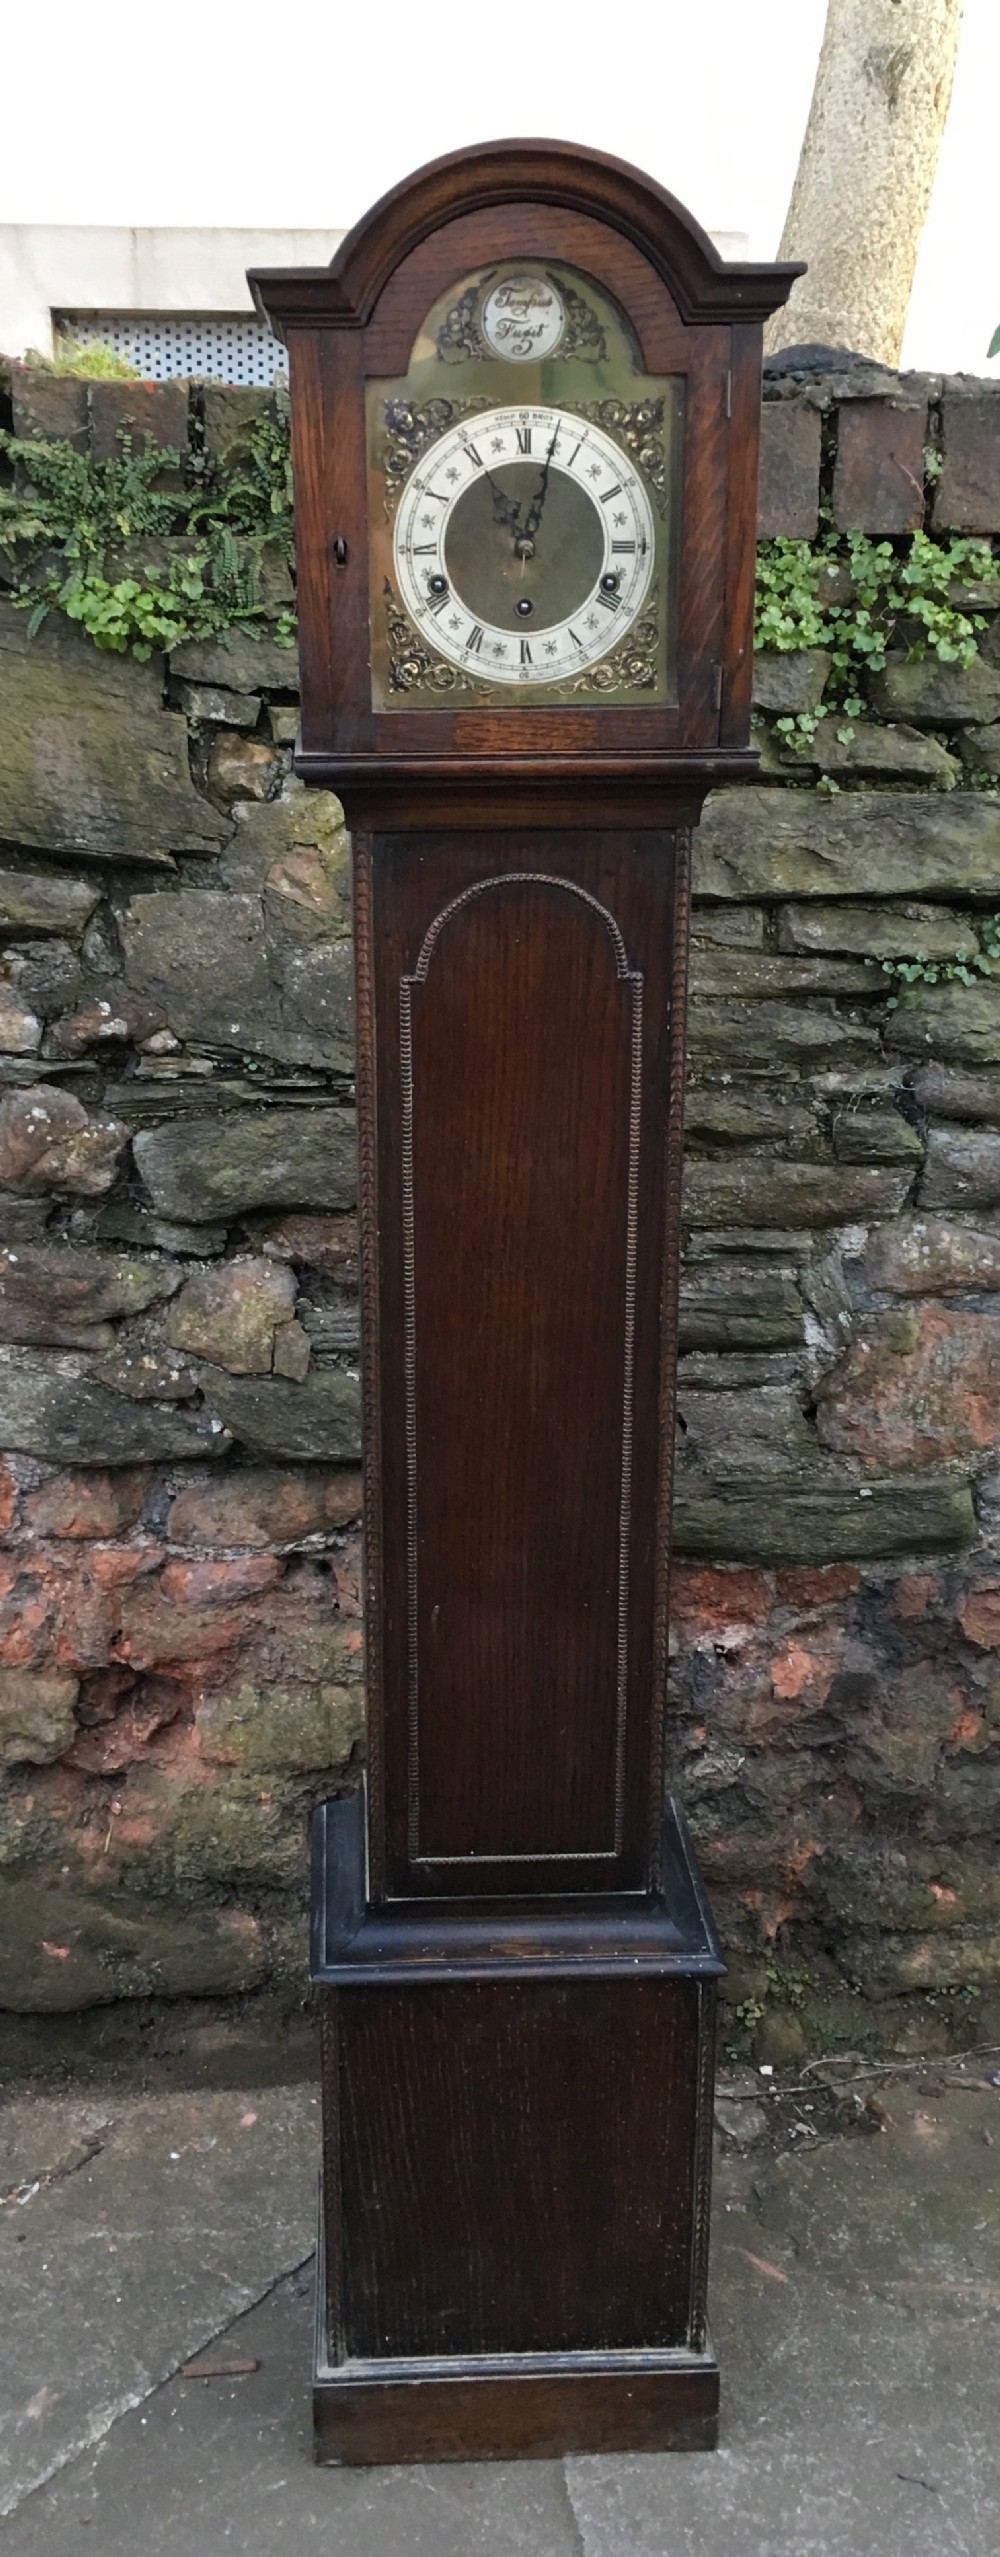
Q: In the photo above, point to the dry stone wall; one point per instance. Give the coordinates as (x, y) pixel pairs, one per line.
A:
(180, 1646)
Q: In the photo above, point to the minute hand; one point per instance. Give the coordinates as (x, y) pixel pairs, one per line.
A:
(534, 515)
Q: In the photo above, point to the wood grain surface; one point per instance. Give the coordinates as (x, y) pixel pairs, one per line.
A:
(517, 2165)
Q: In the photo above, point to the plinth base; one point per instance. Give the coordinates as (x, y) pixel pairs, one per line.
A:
(517, 2118)
(509, 2406)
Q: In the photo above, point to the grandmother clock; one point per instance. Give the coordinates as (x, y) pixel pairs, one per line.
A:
(525, 402)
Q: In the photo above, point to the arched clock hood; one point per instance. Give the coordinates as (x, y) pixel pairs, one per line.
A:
(704, 286)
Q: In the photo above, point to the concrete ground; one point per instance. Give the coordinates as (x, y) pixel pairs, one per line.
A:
(856, 2309)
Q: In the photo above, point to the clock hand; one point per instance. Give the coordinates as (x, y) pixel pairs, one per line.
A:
(534, 515)
(506, 510)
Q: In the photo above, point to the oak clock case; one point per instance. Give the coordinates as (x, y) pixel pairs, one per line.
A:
(524, 480)
(525, 412)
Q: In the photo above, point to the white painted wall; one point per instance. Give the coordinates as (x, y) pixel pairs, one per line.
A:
(53, 266)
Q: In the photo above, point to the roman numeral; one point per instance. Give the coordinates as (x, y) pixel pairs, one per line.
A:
(438, 493)
(577, 642)
(525, 652)
(475, 639)
(424, 550)
(612, 603)
(524, 439)
(577, 448)
(624, 548)
(608, 493)
(470, 451)
(436, 603)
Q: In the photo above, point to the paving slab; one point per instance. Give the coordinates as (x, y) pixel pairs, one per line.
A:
(208, 2466)
(856, 2310)
(131, 2230)
(856, 2294)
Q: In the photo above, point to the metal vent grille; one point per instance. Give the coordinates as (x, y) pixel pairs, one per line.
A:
(216, 349)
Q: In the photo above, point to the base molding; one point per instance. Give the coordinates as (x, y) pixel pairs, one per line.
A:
(508, 2405)
(366, 2414)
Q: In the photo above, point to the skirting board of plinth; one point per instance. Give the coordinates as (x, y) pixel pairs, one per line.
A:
(508, 2406)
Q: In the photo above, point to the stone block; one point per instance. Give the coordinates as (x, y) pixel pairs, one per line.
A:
(756, 976)
(20, 1027)
(244, 661)
(319, 1419)
(796, 843)
(732, 1371)
(962, 1169)
(87, 1505)
(960, 1023)
(739, 1435)
(728, 1305)
(33, 901)
(48, 975)
(873, 1135)
(241, 768)
(328, 1244)
(210, 705)
(50, 1407)
(789, 680)
(68, 1295)
(290, 1728)
(723, 1113)
(292, 1352)
(980, 749)
(48, 1142)
(162, 1629)
(139, 1364)
(22, 1220)
(941, 695)
(260, 1506)
(36, 1717)
(121, 1223)
(108, 1011)
(230, 411)
(229, 1314)
(826, 1523)
(967, 494)
(979, 1617)
(284, 724)
(281, 994)
(205, 1834)
(727, 927)
(921, 1387)
(120, 1949)
(50, 408)
(217, 1168)
(91, 765)
(760, 1190)
(866, 752)
(928, 1256)
(878, 480)
(898, 931)
(788, 498)
(141, 413)
(957, 1095)
(768, 1036)
(287, 844)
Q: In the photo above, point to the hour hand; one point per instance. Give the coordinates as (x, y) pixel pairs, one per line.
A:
(506, 510)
